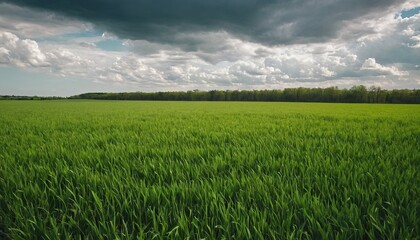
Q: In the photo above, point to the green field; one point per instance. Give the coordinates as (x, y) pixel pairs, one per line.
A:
(213, 170)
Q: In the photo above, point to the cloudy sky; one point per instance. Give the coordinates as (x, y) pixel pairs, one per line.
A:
(67, 47)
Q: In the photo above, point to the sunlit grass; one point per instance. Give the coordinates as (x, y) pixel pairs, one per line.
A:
(134, 170)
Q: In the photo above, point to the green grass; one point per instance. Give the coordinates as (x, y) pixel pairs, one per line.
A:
(214, 170)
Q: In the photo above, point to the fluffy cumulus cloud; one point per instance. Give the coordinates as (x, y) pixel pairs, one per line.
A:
(26, 53)
(22, 53)
(370, 64)
(132, 69)
(161, 45)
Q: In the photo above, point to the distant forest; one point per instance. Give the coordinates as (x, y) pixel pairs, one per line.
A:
(356, 94)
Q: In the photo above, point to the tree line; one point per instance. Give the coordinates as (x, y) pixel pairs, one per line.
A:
(356, 94)
(13, 97)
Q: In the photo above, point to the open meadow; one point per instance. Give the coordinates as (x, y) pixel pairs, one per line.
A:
(79, 169)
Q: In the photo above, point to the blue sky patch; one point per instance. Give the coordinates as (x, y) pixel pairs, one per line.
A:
(410, 12)
(68, 36)
(111, 45)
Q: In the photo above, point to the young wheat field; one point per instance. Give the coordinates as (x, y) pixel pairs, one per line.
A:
(75, 169)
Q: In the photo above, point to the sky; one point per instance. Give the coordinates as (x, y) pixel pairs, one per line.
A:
(68, 47)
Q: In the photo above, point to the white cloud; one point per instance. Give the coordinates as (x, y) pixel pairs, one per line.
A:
(416, 40)
(4, 55)
(376, 68)
(26, 53)
(21, 53)
(132, 70)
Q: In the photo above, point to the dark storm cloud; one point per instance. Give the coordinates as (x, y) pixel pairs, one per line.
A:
(269, 22)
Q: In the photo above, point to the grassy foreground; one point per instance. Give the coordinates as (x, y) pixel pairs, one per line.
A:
(214, 170)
